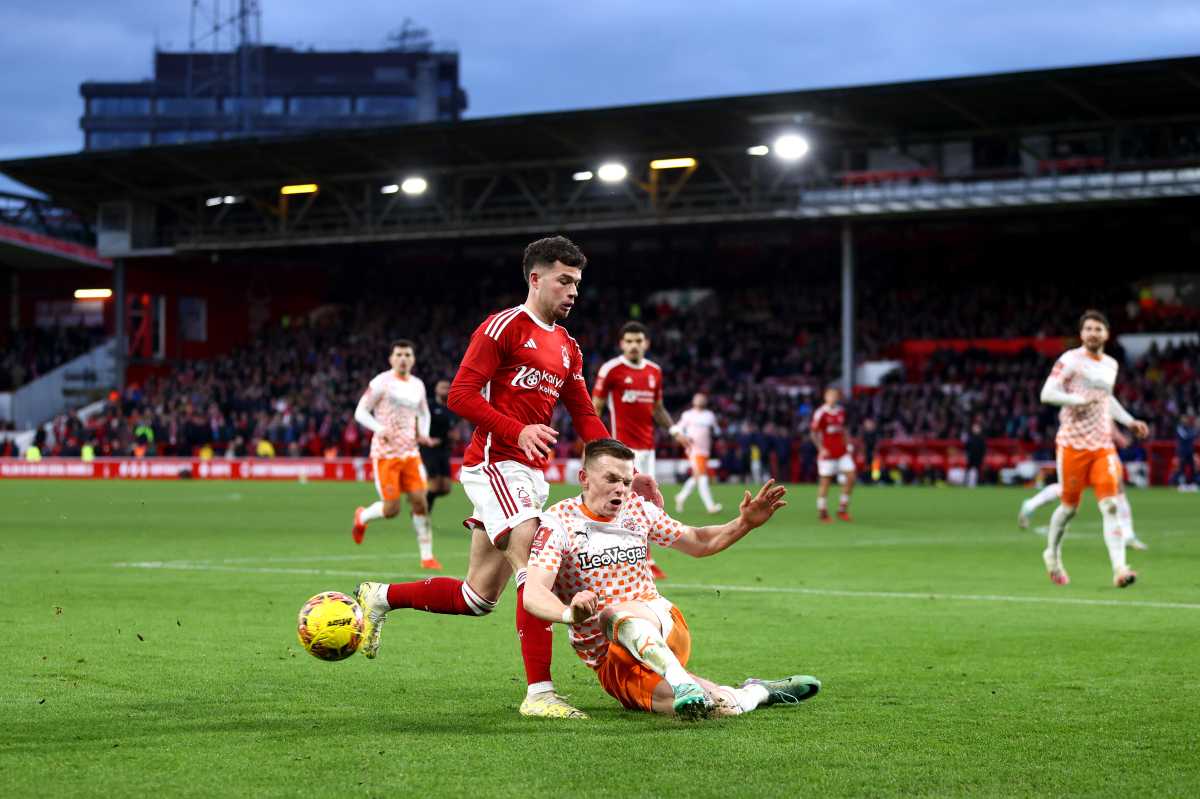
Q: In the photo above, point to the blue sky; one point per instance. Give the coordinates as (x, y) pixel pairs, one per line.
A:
(535, 55)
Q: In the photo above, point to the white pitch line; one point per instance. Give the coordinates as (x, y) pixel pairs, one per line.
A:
(749, 589)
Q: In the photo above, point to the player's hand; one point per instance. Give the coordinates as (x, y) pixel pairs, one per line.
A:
(384, 438)
(1120, 439)
(426, 441)
(646, 487)
(537, 441)
(755, 512)
(684, 442)
(1140, 428)
(583, 606)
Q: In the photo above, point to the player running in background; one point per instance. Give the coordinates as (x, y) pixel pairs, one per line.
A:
(1081, 382)
(436, 456)
(1053, 493)
(833, 456)
(699, 426)
(588, 569)
(519, 364)
(396, 412)
(631, 388)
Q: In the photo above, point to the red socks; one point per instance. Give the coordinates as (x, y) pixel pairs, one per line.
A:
(438, 595)
(537, 642)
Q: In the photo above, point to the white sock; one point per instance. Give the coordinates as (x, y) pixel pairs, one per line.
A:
(1058, 529)
(1114, 537)
(686, 491)
(1050, 493)
(705, 494)
(822, 505)
(424, 530)
(645, 642)
(372, 512)
(749, 697)
(844, 501)
(1125, 516)
(540, 687)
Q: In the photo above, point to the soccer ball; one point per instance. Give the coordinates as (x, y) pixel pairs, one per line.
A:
(330, 626)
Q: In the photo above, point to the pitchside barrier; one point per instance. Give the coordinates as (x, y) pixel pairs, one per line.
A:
(943, 457)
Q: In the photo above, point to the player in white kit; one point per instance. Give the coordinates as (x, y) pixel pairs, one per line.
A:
(699, 424)
(395, 410)
(1081, 383)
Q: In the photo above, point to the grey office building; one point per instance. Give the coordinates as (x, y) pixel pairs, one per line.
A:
(269, 91)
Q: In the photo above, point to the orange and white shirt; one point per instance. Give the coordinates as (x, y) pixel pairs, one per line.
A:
(1077, 372)
(396, 407)
(608, 556)
(699, 427)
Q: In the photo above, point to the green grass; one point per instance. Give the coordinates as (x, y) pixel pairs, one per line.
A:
(185, 678)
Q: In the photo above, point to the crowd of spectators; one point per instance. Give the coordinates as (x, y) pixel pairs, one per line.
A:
(762, 355)
(27, 354)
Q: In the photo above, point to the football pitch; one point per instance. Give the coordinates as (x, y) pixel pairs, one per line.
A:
(151, 650)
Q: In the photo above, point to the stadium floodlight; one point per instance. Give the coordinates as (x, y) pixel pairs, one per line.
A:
(673, 163)
(299, 188)
(413, 186)
(93, 294)
(230, 199)
(213, 202)
(390, 188)
(758, 149)
(791, 147)
(584, 175)
(612, 172)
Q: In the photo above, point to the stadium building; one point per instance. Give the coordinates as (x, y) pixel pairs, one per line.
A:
(267, 90)
(915, 241)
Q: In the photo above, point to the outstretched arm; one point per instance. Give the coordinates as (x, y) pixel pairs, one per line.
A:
(700, 542)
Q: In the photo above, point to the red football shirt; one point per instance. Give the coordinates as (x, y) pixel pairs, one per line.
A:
(516, 369)
(631, 392)
(831, 424)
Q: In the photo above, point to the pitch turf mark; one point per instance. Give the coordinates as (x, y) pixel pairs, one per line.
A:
(182, 565)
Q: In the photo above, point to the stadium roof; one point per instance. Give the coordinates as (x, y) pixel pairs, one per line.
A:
(1050, 99)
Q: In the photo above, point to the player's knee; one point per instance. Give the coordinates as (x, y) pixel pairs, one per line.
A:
(608, 619)
(391, 508)
(1108, 506)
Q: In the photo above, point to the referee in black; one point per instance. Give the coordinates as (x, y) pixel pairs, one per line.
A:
(441, 432)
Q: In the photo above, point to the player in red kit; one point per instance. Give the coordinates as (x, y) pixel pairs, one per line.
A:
(829, 427)
(519, 364)
(630, 387)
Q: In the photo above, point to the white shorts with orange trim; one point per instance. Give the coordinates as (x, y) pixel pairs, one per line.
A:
(829, 467)
(503, 494)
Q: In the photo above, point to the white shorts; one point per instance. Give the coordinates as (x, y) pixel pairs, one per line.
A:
(643, 461)
(503, 494)
(829, 467)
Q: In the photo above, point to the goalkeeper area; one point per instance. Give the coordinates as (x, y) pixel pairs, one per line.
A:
(152, 650)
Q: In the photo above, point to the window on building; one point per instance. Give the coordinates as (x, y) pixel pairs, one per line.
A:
(186, 106)
(386, 106)
(117, 139)
(119, 106)
(181, 136)
(392, 74)
(254, 105)
(319, 106)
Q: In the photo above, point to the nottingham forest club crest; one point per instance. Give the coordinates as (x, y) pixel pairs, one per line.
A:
(566, 358)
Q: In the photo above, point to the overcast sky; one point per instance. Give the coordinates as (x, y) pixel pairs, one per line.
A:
(540, 55)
